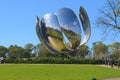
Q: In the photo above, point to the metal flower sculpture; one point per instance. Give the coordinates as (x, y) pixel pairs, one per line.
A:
(61, 32)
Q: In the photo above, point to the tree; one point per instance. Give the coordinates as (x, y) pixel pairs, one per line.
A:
(118, 11)
(116, 54)
(3, 51)
(44, 52)
(109, 19)
(37, 49)
(28, 50)
(83, 51)
(114, 46)
(100, 50)
(16, 52)
(114, 49)
(29, 47)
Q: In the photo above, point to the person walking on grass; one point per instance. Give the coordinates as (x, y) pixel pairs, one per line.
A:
(112, 64)
(118, 64)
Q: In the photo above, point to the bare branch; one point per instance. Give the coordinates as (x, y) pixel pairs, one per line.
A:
(108, 15)
(103, 21)
(110, 18)
(113, 7)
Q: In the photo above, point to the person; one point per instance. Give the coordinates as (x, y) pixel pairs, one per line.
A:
(112, 63)
(118, 64)
(0, 61)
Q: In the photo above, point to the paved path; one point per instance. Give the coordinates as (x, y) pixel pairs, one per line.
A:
(113, 79)
(113, 68)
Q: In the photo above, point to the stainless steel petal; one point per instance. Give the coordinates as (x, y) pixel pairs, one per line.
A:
(85, 24)
(51, 33)
(61, 32)
(41, 38)
(70, 27)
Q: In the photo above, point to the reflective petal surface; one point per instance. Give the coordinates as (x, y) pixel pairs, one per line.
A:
(61, 32)
(52, 33)
(70, 27)
(85, 24)
(42, 38)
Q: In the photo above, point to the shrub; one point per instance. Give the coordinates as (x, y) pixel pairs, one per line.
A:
(52, 60)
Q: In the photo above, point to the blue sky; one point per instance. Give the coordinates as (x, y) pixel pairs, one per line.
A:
(17, 18)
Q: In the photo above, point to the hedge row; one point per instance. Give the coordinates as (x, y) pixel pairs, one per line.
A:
(54, 61)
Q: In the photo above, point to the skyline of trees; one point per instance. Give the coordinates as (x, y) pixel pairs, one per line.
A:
(108, 20)
(99, 50)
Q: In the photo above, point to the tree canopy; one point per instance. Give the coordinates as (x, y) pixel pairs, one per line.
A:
(109, 18)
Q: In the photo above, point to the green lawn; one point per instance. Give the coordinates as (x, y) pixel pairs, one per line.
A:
(55, 72)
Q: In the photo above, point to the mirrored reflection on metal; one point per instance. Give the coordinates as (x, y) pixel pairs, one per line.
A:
(70, 26)
(61, 32)
(85, 24)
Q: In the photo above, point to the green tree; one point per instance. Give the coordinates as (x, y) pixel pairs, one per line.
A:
(100, 50)
(37, 49)
(116, 54)
(29, 47)
(28, 50)
(3, 51)
(83, 51)
(109, 18)
(16, 52)
(114, 46)
(44, 52)
(118, 11)
(114, 50)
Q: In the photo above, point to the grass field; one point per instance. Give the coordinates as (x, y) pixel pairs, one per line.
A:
(55, 72)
